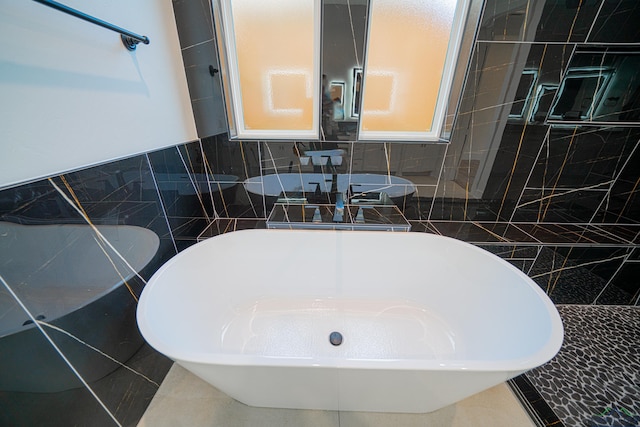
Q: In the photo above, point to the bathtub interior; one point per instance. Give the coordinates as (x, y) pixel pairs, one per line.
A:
(368, 329)
(36, 262)
(395, 296)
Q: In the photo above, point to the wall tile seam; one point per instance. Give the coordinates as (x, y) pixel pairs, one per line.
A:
(183, 49)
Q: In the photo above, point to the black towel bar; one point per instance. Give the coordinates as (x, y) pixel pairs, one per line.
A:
(129, 39)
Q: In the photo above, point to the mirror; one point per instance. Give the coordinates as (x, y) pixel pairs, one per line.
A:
(343, 37)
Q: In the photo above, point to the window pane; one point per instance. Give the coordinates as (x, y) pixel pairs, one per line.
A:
(273, 49)
(406, 66)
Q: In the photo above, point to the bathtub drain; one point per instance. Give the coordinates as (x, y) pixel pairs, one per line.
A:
(335, 338)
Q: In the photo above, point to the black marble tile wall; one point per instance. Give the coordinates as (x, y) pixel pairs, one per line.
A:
(522, 257)
(557, 14)
(236, 162)
(615, 22)
(577, 275)
(623, 288)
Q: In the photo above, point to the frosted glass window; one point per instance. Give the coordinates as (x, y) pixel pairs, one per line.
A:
(411, 50)
(271, 49)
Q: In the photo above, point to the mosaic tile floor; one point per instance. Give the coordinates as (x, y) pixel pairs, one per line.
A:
(595, 378)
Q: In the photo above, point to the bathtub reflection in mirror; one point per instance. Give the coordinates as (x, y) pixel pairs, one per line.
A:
(97, 294)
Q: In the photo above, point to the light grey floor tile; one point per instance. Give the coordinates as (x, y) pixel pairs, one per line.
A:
(495, 407)
(185, 400)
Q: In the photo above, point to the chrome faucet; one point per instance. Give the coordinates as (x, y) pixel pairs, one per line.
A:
(338, 210)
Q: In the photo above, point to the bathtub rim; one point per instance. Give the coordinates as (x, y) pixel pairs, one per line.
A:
(521, 364)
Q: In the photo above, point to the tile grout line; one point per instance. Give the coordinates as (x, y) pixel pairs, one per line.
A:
(162, 205)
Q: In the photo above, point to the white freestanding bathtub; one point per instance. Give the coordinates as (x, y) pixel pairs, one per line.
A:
(425, 320)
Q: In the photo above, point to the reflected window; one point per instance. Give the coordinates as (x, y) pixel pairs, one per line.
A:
(580, 93)
(600, 86)
(542, 102)
(524, 94)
